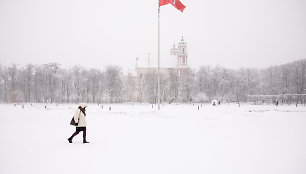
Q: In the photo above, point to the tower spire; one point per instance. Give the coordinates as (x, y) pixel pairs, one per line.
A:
(182, 54)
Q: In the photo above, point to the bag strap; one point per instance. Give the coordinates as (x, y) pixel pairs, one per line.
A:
(83, 110)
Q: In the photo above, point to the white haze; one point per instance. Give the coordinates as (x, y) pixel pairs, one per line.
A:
(96, 33)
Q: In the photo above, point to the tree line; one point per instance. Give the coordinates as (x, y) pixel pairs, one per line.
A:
(52, 83)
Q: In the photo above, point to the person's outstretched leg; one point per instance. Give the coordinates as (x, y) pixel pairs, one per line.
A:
(84, 137)
(74, 134)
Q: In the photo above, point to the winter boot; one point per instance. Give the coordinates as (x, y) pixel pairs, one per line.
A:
(74, 134)
(84, 137)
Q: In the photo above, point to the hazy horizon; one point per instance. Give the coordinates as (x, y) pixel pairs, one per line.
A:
(144, 65)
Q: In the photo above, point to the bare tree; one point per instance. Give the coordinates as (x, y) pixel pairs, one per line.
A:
(131, 87)
(150, 87)
(29, 78)
(14, 93)
(76, 70)
(94, 78)
(173, 86)
(4, 74)
(114, 83)
(140, 87)
(186, 85)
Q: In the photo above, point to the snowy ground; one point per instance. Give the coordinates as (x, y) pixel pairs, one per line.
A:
(138, 139)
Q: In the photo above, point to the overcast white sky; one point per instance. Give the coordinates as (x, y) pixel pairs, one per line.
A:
(96, 33)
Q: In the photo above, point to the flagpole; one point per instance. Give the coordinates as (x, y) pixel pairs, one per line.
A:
(158, 73)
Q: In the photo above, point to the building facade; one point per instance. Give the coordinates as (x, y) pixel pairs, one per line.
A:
(144, 73)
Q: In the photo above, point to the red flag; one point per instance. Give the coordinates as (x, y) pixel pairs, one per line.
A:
(176, 3)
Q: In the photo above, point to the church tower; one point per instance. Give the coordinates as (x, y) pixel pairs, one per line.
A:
(182, 58)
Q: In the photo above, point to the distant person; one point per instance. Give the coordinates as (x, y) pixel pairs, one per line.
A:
(276, 103)
(80, 122)
(214, 102)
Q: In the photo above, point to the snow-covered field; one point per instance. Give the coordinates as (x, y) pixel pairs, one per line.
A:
(138, 139)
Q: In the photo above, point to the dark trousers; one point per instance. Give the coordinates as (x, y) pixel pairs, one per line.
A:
(77, 131)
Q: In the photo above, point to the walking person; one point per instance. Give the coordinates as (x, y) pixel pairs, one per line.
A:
(80, 122)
